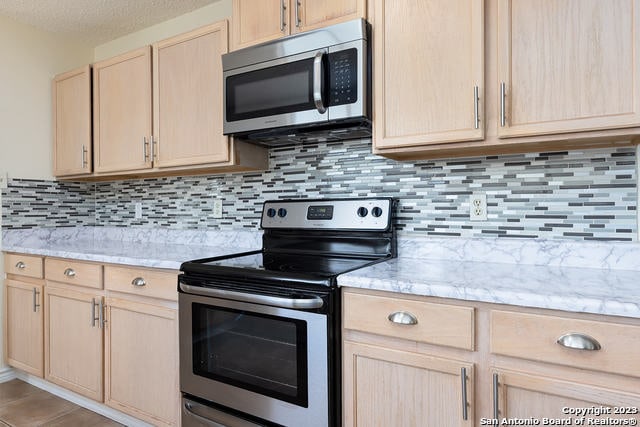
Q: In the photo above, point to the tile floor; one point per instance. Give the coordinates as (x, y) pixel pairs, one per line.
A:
(22, 404)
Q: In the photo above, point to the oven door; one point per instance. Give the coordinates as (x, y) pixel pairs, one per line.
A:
(282, 92)
(269, 362)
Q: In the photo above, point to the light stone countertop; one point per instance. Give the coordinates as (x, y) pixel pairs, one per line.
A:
(117, 246)
(541, 274)
(610, 292)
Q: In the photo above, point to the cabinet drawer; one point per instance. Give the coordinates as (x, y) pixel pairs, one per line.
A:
(144, 282)
(74, 272)
(23, 265)
(440, 324)
(534, 337)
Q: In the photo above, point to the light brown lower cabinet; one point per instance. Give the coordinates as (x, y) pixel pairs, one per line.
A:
(24, 326)
(519, 395)
(106, 332)
(73, 340)
(524, 365)
(387, 387)
(141, 360)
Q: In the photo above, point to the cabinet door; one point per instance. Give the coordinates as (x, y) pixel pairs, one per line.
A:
(384, 387)
(428, 62)
(568, 65)
(258, 21)
(122, 112)
(72, 122)
(188, 98)
(142, 361)
(73, 341)
(24, 326)
(524, 396)
(312, 14)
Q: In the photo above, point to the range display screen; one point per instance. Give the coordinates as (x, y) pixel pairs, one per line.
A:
(320, 212)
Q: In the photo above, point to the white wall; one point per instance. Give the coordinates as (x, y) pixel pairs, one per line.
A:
(30, 59)
(183, 23)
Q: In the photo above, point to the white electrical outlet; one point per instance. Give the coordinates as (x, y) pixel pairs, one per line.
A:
(478, 207)
(138, 210)
(217, 208)
(4, 178)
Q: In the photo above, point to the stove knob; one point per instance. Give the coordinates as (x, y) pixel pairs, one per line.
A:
(282, 212)
(271, 212)
(362, 212)
(377, 212)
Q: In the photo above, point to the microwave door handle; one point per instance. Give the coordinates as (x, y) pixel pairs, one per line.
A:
(317, 83)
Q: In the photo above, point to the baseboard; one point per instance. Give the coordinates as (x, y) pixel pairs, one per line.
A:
(85, 402)
(7, 374)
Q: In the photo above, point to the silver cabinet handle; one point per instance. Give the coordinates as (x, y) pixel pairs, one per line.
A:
(145, 151)
(496, 383)
(93, 312)
(154, 148)
(300, 303)
(36, 292)
(283, 8)
(101, 319)
(84, 156)
(69, 272)
(138, 281)
(579, 342)
(317, 83)
(503, 94)
(298, 21)
(476, 112)
(21, 265)
(403, 318)
(465, 408)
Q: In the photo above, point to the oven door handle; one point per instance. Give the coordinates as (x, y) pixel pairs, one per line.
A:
(308, 302)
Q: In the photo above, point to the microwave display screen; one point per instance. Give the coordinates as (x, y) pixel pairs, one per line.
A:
(270, 91)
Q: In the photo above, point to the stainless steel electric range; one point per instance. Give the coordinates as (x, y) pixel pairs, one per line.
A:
(260, 331)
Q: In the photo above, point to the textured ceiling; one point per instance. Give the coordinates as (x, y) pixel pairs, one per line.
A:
(96, 21)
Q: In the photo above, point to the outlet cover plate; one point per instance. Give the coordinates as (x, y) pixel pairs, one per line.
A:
(217, 208)
(4, 179)
(478, 207)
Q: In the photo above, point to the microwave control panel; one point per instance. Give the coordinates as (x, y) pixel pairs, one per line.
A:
(343, 69)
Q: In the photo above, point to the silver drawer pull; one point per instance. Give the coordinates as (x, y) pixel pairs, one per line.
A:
(138, 281)
(579, 342)
(70, 272)
(21, 265)
(403, 318)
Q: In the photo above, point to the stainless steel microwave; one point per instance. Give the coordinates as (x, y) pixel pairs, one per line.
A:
(308, 87)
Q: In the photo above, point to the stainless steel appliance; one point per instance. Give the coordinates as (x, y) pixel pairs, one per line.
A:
(308, 87)
(260, 330)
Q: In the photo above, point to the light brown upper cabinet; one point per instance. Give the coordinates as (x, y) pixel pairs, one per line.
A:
(568, 65)
(187, 82)
(428, 72)
(258, 21)
(122, 112)
(72, 122)
(164, 116)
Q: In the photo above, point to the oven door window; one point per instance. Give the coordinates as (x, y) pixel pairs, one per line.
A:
(270, 91)
(261, 353)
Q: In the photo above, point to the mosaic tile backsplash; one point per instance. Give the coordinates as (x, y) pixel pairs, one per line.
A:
(580, 195)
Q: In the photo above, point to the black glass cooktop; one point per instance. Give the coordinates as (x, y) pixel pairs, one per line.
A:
(325, 266)
(313, 269)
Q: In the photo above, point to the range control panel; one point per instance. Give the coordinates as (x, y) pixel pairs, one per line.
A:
(338, 214)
